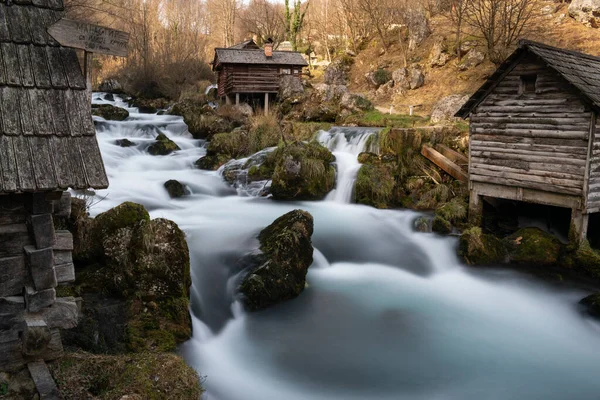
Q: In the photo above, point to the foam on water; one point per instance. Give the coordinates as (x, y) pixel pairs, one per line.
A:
(388, 313)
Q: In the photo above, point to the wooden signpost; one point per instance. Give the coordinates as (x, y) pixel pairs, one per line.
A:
(92, 39)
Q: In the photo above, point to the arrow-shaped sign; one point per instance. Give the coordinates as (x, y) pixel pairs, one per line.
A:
(91, 38)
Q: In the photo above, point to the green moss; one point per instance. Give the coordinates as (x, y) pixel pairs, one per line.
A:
(124, 215)
(304, 131)
(110, 112)
(152, 376)
(376, 118)
(302, 171)
(441, 225)
(587, 260)
(382, 76)
(532, 246)
(375, 186)
(453, 211)
(477, 248)
(163, 146)
(212, 162)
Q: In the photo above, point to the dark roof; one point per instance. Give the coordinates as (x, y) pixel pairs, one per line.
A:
(47, 136)
(579, 69)
(252, 56)
(247, 44)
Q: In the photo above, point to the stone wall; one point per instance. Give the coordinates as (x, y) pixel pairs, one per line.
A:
(34, 260)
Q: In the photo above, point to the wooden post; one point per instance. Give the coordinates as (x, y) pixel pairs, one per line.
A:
(475, 208)
(87, 67)
(227, 99)
(266, 103)
(579, 226)
(237, 99)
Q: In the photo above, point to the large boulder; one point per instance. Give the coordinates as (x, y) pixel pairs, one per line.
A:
(447, 107)
(408, 79)
(478, 248)
(533, 246)
(203, 122)
(416, 78)
(591, 304)
(302, 171)
(330, 92)
(290, 88)
(150, 106)
(287, 253)
(110, 112)
(337, 72)
(438, 57)
(162, 146)
(586, 11)
(110, 86)
(418, 27)
(355, 103)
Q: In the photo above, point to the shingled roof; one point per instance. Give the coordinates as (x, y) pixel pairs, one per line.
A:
(579, 69)
(47, 137)
(252, 56)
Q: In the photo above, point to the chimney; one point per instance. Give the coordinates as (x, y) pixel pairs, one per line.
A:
(269, 48)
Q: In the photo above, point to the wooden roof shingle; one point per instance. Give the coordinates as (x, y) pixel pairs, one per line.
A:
(257, 56)
(581, 70)
(47, 137)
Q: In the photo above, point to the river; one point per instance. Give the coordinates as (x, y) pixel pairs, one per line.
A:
(388, 313)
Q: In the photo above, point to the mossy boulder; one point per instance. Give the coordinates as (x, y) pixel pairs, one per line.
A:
(124, 215)
(302, 171)
(375, 184)
(156, 376)
(175, 188)
(533, 246)
(423, 224)
(110, 112)
(584, 258)
(163, 146)
(124, 143)
(591, 304)
(201, 119)
(478, 248)
(149, 106)
(441, 225)
(287, 252)
(211, 162)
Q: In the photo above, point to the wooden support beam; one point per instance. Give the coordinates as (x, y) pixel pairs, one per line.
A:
(452, 155)
(36, 335)
(41, 267)
(62, 206)
(444, 163)
(43, 230)
(37, 300)
(266, 103)
(44, 383)
(237, 99)
(13, 275)
(475, 208)
(62, 314)
(579, 226)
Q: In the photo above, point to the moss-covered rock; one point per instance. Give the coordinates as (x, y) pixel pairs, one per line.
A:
(163, 146)
(110, 112)
(375, 184)
(175, 188)
(212, 162)
(441, 225)
(477, 248)
(533, 246)
(584, 259)
(287, 253)
(149, 106)
(124, 143)
(302, 171)
(591, 304)
(124, 215)
(149, 376)
(423, 224)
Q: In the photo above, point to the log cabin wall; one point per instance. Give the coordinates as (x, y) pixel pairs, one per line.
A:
(34, 260)
(253, 78)
(532, 132)
(593, 189)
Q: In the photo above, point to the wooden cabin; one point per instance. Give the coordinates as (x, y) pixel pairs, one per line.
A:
(247, 70)
(47, 145)
(533, 134)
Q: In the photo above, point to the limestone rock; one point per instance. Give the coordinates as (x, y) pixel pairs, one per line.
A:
(418, 27)
(416, 78)
(447, 107)
(290, 88)
(287, 253)
(355, 102)
(337, 72)
(245, 109)
(586, 11)
(110, 112)
(385, 90)
(438, 56)
(471, 60)
(163, 146)
(401, 81)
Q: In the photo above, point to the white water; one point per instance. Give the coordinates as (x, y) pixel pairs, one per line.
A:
(387, 314)
(345, 144)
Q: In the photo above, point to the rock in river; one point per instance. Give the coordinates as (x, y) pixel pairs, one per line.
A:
(287, 253)
(162, 146)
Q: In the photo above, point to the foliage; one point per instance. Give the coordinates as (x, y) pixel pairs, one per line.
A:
(382, 76)
(375, 185)
(376, 118)
(265, 131)
(532, 246)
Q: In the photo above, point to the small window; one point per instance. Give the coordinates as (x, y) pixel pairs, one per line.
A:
(286, 71)
(528, 84)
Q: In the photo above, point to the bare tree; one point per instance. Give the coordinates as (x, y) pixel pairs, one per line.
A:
(264, 20)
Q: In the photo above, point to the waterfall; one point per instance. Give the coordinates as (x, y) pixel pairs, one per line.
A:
(387, 314)
(346, 143)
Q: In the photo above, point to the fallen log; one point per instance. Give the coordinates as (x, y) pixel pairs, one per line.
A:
(444, 163)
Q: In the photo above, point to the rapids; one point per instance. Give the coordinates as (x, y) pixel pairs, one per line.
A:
(388, 313)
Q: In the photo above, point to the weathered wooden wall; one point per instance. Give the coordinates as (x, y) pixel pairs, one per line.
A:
(593, 195)
(252, 78)
(34, 260)
(535, 141)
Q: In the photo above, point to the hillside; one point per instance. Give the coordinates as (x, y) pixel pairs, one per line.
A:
(556, 28)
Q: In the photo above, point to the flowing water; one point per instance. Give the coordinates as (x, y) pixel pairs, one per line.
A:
(388, 313)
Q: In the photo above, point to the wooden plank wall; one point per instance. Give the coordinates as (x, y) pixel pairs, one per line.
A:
(593, 200)
(537, 141)
(259, 78)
